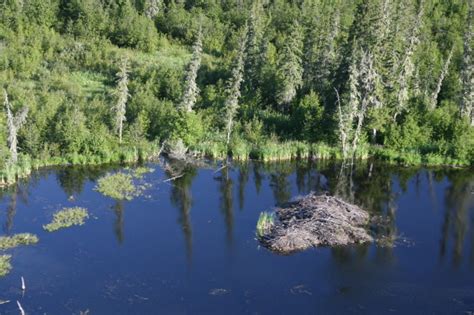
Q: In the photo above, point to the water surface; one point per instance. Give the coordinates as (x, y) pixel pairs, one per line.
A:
(188, 246)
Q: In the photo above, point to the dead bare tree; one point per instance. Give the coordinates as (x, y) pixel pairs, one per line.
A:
(120, 107)
(233, 90)
(407, 68)
(444, 72)
(14, 123)
(467, 72)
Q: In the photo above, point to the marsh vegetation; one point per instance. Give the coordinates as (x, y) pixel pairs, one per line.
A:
(67, 217)
(118, 186)
(9, 242)
(5, 265)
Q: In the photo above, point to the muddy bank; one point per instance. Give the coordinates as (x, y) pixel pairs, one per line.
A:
(312, 221)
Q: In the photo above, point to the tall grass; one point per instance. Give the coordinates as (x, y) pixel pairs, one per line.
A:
(10, 173)
(265, 222)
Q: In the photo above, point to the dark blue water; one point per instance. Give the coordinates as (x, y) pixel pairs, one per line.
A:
(188, 246)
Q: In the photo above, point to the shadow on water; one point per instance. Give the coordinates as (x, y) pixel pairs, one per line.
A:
(118, 209)
(226, 186)
(458, 224)
(181, 198)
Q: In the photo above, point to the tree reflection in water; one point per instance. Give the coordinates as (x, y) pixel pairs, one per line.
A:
(369, 185)
(181, 198)
(227, 201)
(119, 221)
(458, 216)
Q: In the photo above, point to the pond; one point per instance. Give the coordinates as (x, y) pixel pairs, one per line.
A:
(188, 245)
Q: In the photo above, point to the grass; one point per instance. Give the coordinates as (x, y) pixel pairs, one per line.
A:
(10, 173)
(8, 242)
(265, 223)
(118, 186)
(5, 265)
(67, 217)
(271, 151)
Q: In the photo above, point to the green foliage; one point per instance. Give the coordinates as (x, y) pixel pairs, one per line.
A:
(119, 186)
(8, 242)
(5, 265)
(139, 172)
(308, 118)
(265, 222)
(59, 58)
(67, 217)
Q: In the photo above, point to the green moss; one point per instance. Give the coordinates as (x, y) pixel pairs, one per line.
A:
(265, 223)
(67, 217)
(5, 265)
(118, 186)
(7, 242)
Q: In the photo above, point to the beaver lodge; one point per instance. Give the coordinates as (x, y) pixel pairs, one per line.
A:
(312, 221)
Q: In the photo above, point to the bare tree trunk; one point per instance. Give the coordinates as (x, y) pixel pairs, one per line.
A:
(122, 94)
(467, 72)
(14, 123)
(444, 72)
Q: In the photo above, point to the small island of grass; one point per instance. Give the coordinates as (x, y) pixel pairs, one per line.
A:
(67, 217)
(5, 265)
(118, 186)
(8, 242)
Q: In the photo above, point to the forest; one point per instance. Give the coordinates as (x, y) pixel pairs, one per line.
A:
(99, 81)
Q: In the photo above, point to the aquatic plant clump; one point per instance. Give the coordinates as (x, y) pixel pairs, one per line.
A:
(139, 172)
(7, 242)
(312, 221)
(265, 223)
(5, 265)
(67, 217)
(118, 186)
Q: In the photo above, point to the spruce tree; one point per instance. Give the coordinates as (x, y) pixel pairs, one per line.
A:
(152, 8)
(290, 73)
(122, 94)
(467, 72)
(254, 46)
(191, 90)
(233, 89)
(14, 123)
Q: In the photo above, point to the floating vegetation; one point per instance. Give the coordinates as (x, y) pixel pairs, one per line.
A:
(5, 265)
(118, 186)
(265, 223)
(140, 171)
(67, 217)
(7, 242)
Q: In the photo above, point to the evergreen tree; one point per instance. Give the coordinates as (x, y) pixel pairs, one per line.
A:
(444, 72)
(191, 89)
(233, 89)
(14, 123)
(254, 46)
(152, 8)
(407, 69)
(122, 94)
(290, 72)
(467, 71)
